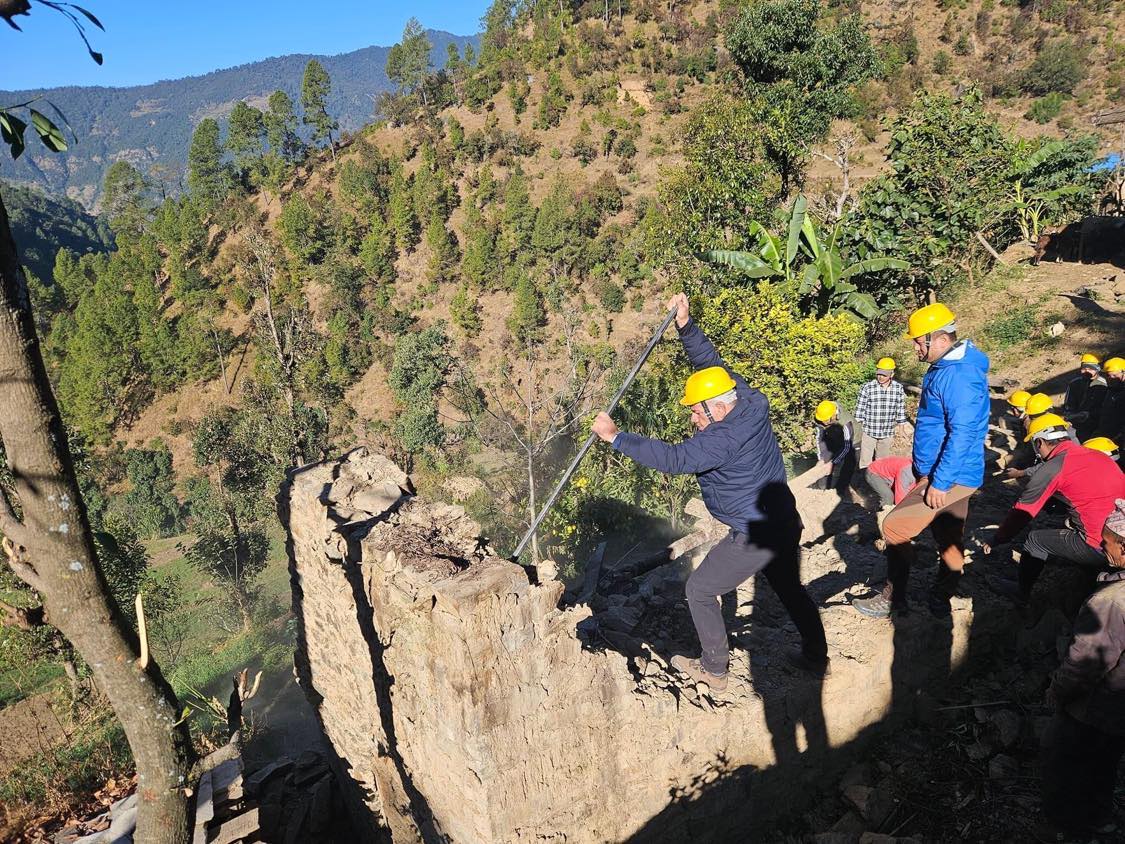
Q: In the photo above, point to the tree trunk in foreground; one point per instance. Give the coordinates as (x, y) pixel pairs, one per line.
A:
(52, 550)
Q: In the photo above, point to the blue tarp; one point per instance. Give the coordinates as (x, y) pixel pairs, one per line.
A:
(1110, 162)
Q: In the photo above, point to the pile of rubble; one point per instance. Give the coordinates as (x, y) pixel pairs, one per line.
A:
(285, 802)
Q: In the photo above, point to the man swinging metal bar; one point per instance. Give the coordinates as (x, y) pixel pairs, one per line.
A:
(737, 460)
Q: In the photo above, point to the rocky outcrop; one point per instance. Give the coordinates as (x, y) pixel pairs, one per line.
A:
(466, 705)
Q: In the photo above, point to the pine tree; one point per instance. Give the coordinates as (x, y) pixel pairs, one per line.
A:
(479, 260)
(408, 62)
(465, 311)
(125, 200)
(553, 221)
(518, 218)
(208, 177)
(526, 319)
(245, 132)
(400, 211)
(443, 251)
(377, 252)
(316, 86)
(281, 128)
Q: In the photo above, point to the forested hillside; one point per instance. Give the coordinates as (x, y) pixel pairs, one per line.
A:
(463, 282)
(150, 125)
(463, 278)
(42, 224)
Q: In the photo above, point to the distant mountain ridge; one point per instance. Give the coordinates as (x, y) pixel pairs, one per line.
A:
(152, 124)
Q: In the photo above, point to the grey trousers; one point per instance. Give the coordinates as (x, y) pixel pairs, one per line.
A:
(775, 551)
(873, 449)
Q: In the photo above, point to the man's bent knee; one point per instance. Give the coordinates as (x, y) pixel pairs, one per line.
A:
(897, 529)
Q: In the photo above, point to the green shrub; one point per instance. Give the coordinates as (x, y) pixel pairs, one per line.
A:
(1006, 331)
(1060, 66)
(584, 150)
(796, 361)
(942, 62)
(611, 295)
(1045, 109)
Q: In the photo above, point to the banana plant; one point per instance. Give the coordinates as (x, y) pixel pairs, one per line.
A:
(825, 279)
(1031, 207)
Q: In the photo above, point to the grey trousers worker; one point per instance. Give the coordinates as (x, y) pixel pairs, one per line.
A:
(873, 449)
(776, 552)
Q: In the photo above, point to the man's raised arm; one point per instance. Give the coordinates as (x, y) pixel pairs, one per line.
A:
(701, 352)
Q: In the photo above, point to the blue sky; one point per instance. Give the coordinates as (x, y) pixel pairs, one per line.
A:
(149, 40)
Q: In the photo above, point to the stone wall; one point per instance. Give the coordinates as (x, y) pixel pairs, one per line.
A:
(465, 705)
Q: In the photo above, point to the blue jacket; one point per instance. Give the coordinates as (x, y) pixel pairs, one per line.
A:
(953, 419)
(737, 460)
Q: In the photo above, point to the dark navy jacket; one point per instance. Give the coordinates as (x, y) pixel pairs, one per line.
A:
(737, 460)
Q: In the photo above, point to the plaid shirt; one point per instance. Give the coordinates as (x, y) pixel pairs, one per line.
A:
(879, 409)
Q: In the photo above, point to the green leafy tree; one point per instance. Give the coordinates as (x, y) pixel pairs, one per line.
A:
(478, 264)
(725, 181)
(408, 61)
(801, 73)
(417, 376)
(246, 131)
(151, 505)
(553, 229)
(553, 104)
(948, 161)
(316, 86)
(280, 122)
(228, 505)
(1060, 67)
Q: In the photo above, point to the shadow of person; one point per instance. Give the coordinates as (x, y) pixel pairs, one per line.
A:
(792, 696)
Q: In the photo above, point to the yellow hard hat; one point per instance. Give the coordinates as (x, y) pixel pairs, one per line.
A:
(928, 319)
(1090, 360)
(1102, 444)
(1114, 365)
(825, 411)
(1048, 423)
(885, 364)
(1039, 403)
(706, 384)
(1019, 399)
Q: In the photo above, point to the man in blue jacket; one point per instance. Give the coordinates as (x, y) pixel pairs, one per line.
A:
(948, 461)
(736, 458)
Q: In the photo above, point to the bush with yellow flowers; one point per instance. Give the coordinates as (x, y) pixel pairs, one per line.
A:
(795, 360)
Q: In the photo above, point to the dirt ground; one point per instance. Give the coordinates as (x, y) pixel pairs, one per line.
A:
(30, 727)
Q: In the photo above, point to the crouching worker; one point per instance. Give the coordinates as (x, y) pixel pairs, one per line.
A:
(737, 460)
(1086, 480)
(948, 461)
(1085, 741)
(834, 447)
(891, 478)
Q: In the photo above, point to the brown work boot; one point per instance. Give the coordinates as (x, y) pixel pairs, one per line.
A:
(881, 605)
(695, 670)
